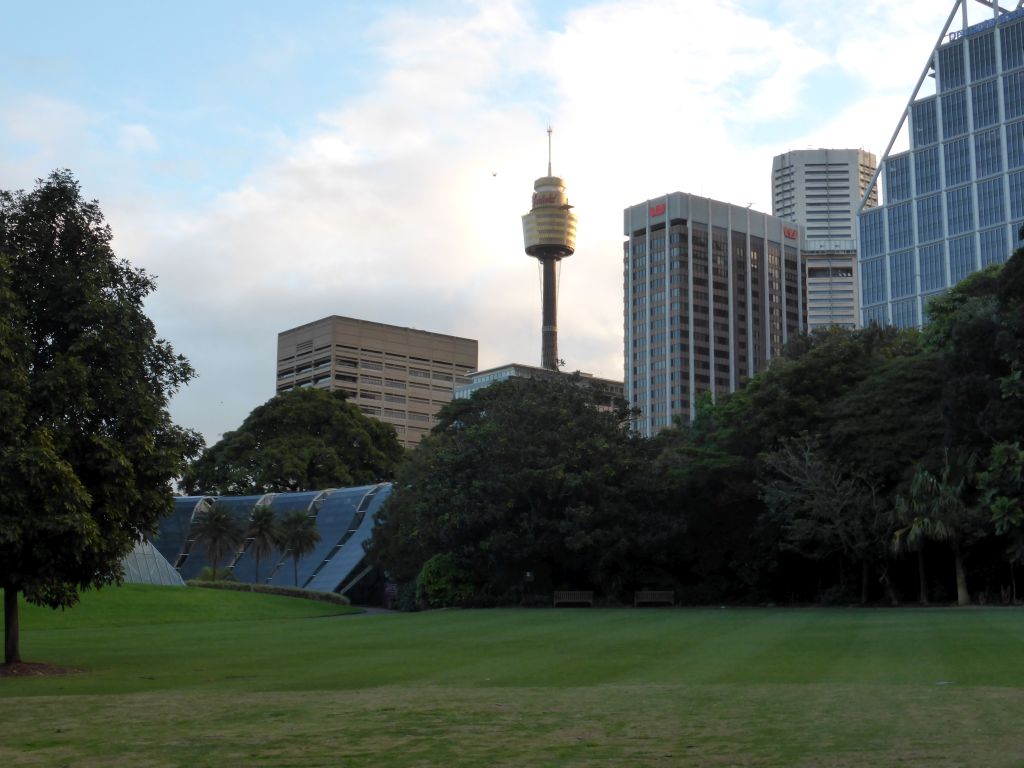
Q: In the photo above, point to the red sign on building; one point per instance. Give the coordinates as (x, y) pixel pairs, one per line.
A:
(657, 210)
(789, 232)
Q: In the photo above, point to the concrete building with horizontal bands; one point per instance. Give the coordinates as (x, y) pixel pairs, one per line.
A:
(711, 292)
(821, 190)
(402, 376)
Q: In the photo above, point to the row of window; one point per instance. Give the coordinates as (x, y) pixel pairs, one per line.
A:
(963, 259)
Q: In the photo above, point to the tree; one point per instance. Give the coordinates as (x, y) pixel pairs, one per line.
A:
(264, 534)
(524, 476)
(936, 509)
(299, 536)
(87, 447)
(297, 441)
(220, 533)
(822, 508)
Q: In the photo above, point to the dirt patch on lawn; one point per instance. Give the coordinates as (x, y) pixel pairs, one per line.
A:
(32, 669)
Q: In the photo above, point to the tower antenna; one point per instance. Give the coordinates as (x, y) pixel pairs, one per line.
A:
(549, 150)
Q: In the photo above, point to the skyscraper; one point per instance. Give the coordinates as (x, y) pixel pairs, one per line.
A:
(549, 235)
(821, 190)
(954, 201)
(711, 292)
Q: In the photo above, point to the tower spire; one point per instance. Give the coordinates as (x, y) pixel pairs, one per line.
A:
(549, 150)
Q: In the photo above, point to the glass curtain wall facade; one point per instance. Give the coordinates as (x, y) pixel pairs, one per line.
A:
(954, 201)
(711, 291)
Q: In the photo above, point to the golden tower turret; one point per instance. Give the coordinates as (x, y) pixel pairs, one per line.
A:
(549, 235)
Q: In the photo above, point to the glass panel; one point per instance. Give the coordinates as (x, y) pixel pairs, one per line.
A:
(958, 162)
(993, 246)
(933, 267)
(926, 170)
(983, 56)
(929, 218)
(990, 203)
(959, 213)
(961, 258)
(954, 114)
(951, 67)
(985, 100)
(925, 124)
(901, 274)
(988, 155)
(901, 232)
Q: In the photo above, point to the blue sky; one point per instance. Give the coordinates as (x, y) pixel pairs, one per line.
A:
(273, 163)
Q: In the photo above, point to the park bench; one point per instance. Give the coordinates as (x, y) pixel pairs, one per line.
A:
(654, 596)
(573, 597)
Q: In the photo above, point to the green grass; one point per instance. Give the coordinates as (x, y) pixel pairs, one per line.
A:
(196, 677)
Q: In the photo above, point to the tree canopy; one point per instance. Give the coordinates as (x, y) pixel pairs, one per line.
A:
(526, 477)
(87, 447)
(299, 440)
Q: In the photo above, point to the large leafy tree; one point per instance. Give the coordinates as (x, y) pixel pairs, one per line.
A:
(87, 448)
(525, 477)
(298, 440)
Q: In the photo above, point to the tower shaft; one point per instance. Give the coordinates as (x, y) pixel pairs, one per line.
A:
(549, 316)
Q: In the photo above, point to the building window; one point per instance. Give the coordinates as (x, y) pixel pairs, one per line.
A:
(897, 178)
(875, 316)
(951, 67)
(954, 114)
(983, 56)
(961, 258)
(871, 232)
(904, 314)
(1017, 195)
(1015, 144)
(993, 246)
(990, 202)
(959, 214)
(901, 232)
(926, 170)
(985, 101)
(1012, 38)
(958, 162)
(988, 154)
(873, 281)
(901, 274)
(925, 126)
(929, 218)
(933, 267)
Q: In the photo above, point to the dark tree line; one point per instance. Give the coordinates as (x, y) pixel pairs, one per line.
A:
(868, 465)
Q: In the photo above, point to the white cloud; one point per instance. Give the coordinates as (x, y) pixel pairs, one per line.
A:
(136, 138)
(403, 205)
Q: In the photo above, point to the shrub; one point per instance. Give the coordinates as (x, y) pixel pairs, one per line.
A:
(443, 583)
(268, 589)
(223, 574)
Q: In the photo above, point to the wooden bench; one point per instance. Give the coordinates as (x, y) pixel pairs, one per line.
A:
(654, 596)
(573, 597)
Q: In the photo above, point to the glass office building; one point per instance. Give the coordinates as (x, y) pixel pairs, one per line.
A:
(954, 201)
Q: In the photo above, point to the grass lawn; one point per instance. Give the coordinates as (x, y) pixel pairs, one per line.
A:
(205, 678)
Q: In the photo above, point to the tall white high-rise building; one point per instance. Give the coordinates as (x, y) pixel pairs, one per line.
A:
(954, 200)
(821, 190)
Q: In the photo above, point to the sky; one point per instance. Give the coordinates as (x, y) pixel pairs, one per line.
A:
(275, 163)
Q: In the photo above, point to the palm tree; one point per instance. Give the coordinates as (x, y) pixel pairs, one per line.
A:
(220, 532)
(299, 535)
(935, 509)
(263, 530)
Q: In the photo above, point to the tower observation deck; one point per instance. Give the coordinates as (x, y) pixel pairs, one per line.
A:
(549, 235)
